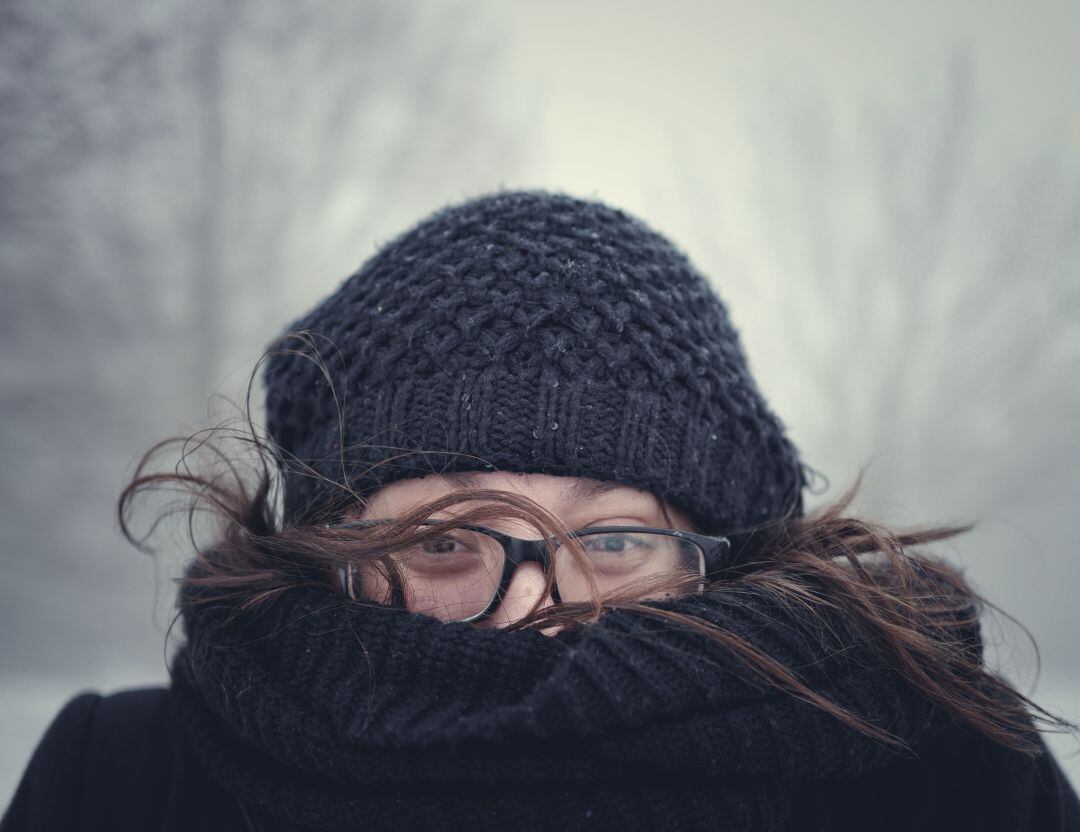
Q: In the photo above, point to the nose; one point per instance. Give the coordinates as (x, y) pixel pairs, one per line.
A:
(525, 588)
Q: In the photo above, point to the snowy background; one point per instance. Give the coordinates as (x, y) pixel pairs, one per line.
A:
(887, 195)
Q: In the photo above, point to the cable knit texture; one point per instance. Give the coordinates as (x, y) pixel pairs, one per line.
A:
(340, 716)
(530, 331)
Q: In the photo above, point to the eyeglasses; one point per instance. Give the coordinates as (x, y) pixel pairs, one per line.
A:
(464, 572)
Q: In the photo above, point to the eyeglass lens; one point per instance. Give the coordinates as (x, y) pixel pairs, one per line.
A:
(622, 559)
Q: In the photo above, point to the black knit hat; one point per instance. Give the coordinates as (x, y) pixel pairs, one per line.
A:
(529, 331)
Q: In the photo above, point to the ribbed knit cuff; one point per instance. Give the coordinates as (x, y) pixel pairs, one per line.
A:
(684, 450)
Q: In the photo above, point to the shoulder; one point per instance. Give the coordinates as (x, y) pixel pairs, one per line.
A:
(955, 780)
(1002, 787)
(100, 756)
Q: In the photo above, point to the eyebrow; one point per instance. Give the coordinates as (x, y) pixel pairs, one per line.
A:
(580, 489)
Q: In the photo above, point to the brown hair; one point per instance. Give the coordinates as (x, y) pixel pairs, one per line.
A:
(909, 604)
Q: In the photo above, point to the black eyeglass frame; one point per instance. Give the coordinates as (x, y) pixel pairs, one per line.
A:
(517, 550)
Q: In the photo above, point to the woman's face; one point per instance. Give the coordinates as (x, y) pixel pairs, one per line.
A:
(577, 502)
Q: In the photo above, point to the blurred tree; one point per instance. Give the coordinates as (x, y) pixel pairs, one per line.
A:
(913, 286)
(178, 182)
(926, 288)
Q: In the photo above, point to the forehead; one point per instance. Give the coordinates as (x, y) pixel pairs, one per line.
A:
(555, 493)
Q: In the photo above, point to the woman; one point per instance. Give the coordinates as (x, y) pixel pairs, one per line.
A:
(541, 561)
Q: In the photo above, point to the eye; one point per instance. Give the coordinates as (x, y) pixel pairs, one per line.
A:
(441, 546)
(458, 552)
(616, 543)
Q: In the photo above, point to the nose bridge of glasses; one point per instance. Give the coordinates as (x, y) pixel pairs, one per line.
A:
(521, 551)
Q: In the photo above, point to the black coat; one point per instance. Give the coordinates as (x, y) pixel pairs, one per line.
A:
(119, 763)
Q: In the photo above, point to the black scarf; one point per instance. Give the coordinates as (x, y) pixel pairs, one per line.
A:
(337, 716)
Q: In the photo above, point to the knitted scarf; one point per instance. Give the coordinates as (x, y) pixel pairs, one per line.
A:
(330, 715)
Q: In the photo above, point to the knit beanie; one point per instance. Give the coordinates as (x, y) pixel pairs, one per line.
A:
(528, 331)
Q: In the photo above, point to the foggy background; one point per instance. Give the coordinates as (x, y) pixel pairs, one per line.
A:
(886, 195)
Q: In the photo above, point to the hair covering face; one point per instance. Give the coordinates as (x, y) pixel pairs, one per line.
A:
(529, 331)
